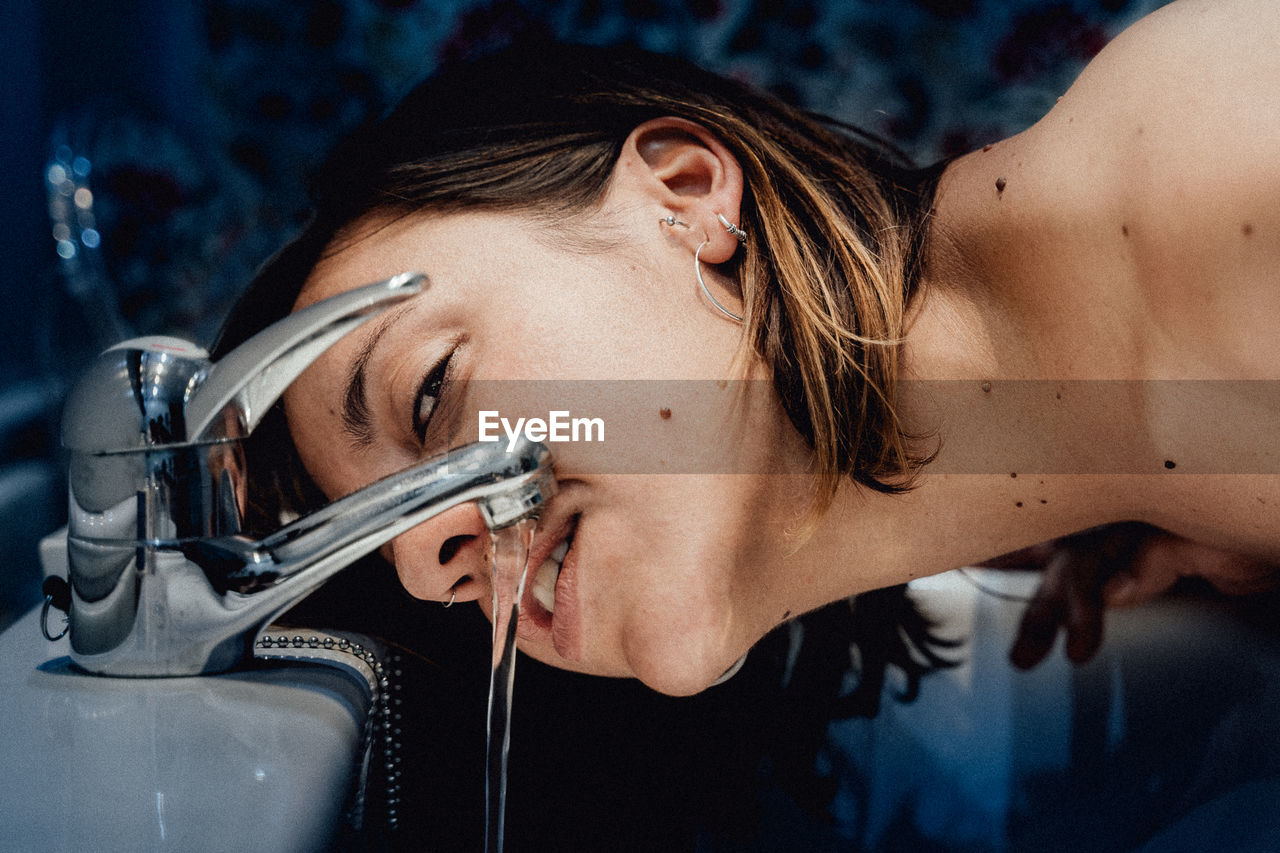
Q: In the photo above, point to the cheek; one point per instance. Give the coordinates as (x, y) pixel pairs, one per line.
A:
(672, 547)
(595, 317)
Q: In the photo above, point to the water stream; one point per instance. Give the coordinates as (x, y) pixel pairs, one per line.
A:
(510, 566)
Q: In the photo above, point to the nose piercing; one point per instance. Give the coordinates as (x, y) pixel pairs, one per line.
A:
(453, 594)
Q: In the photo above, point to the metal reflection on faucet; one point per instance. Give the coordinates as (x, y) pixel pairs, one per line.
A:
(163, 581)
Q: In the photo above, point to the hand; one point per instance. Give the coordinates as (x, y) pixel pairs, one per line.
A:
(1117, 565)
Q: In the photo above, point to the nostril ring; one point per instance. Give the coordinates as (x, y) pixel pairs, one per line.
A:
(453, 594)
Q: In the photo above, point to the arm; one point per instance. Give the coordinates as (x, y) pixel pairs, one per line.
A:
(1119, 565)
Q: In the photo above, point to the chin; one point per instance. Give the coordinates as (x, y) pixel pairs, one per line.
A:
(690, 680)
(682, 669)
(678, 683)
(664, 673)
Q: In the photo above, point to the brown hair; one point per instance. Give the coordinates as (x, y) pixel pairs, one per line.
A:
(837, 218)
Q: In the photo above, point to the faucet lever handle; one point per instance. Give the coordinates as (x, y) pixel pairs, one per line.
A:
(252, 377)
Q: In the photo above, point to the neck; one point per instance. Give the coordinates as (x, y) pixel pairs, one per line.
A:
(1014, 465)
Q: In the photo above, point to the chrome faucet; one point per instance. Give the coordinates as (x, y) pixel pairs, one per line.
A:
(162, 579)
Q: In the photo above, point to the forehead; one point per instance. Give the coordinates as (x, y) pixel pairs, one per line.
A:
(371, 249)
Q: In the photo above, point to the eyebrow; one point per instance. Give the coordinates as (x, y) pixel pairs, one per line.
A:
(357, 421)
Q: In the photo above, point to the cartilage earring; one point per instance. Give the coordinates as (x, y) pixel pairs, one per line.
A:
(671, 220)
(733, 229)
(697, 270)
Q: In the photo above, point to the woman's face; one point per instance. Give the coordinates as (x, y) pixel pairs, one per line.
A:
(669, 577)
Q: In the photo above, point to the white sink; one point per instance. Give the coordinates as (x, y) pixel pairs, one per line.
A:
(264, 759)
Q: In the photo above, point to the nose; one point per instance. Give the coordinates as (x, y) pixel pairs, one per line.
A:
(444, 555)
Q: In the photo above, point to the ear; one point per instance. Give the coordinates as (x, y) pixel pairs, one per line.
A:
(682, 168)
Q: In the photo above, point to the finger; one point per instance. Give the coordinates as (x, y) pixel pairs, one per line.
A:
(1036, 634)
(1084, 605)
(1038, 628)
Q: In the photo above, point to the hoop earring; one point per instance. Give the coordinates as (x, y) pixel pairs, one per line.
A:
(697, 271)
(733, 229)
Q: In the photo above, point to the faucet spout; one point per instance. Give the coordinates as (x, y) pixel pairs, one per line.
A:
(273, 573)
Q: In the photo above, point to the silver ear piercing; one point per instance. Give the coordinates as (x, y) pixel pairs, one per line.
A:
(737, 232)
(733, 229)
(697, 261)
(697, 271)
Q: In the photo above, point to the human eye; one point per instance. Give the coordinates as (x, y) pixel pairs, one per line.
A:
(430, 391)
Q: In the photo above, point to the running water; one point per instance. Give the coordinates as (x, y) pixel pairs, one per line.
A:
(510, 565)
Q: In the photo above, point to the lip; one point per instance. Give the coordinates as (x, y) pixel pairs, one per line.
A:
(536, 623)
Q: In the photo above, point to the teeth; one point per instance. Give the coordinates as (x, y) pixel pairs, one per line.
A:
(544, 581)
(544, 584)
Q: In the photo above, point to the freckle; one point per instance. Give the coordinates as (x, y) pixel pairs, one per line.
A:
(1018, 504)
(1013, 474)
(1124, 229)
(1000, 185)
(1247, 229)
(1043, 501)
(1058, 395)
(1070, 119)
(1261, 501)
(1169, 463)
(1139, 131)
(986, 387)
(664, 413)
(786, 615)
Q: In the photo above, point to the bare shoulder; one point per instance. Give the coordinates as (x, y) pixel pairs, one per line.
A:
(1172, 137)
(1194, 85)
(1181, 118)
(1134, 233)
